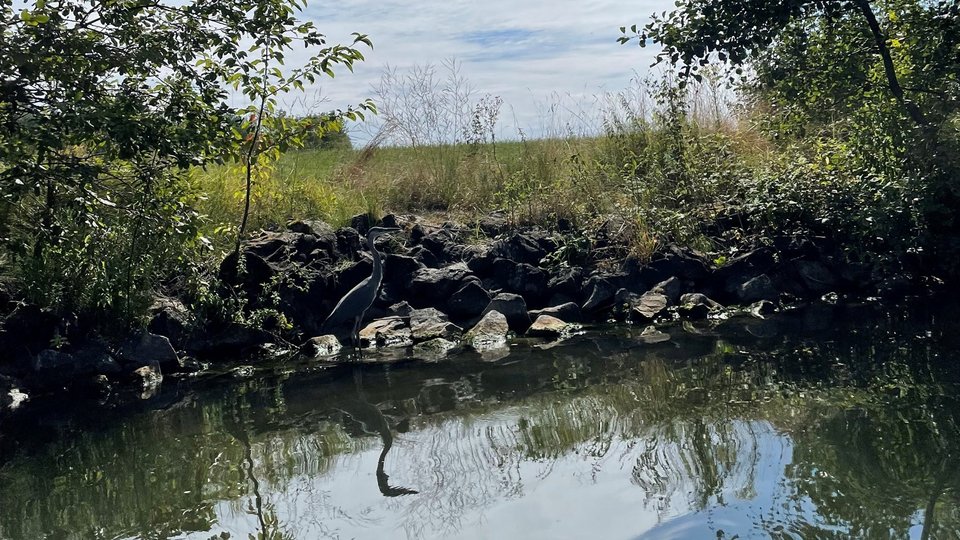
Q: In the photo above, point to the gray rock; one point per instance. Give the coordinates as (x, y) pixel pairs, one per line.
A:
(150, 350)
(433, 286)
(549, 326)
(697, 306)
(648, 306)
(430, 323)
(816, 276)
(568, 311)
(386, 332)
(327, 345)
(400, 309)
(433, 349)
(170, 318)
(490, 333)
(671, 288)
(514, 308)
(600, 295)
(469, 301)
(758, 288)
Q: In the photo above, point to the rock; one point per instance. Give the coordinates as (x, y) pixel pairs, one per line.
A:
(170, 318)
(327, 345)
(433, 349)
(469, 301)
(148, 380)
(671, 288)
(429, 323)
(489, 333)
(497, 222)
(400, 309)
(348, 277)
(816, 276)
(514, 308)
(433, 286)
(600, 295)
(400, 268)
(548, 326)
(758, 288)
(520, 278)
(649, 306)
(568, 311)
(150, 350)
(233, 338)
(762, 308)
(386, 332)
(254, 273)
(567, 282)
(651, 335)
(520, 248)
(696, 306)
(348, 242)
(28, 328)
(361, 222)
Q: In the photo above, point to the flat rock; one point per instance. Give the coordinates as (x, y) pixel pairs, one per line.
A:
(489, 333)
(649, 306)
(549, 326)
(568, 311)
(327, 345)
(429, 323)
(386, 332)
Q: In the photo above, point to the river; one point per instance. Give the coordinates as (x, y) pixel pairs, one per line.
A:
(826, 422)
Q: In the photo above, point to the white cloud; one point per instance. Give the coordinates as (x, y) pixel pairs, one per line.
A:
(523, 51)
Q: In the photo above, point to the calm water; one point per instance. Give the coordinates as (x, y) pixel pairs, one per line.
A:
(827, 423)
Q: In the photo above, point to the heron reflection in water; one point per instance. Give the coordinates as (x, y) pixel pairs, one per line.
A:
(373, 421)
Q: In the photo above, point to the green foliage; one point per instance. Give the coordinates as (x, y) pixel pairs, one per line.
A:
(104, 107)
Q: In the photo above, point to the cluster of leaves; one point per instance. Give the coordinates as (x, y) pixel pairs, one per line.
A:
(104, 105)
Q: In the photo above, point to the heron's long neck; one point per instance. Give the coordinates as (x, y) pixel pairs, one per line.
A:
(377, 275)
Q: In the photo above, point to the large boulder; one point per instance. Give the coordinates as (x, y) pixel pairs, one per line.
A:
(524, 279)
(599, 296)
(149, 349)
(520, 248)
(490, 333)
(170, 318)
(430, 323)
(566, 282)
(468, 302)
(325, 236)
(433, 286)
(514, 308)
(816, 276)
(672, 288)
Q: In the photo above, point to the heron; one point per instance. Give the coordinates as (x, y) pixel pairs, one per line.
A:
(354, 305)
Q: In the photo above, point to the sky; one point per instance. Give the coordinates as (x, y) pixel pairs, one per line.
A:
(548, 60)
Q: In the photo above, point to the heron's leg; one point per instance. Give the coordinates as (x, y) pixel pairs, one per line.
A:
(356, 333)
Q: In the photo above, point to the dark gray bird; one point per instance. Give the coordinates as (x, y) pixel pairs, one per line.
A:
(355, 303)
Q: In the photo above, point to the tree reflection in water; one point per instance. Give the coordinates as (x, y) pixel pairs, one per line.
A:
(826, 430)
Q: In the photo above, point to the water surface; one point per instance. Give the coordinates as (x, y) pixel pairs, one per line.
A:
(832, 422)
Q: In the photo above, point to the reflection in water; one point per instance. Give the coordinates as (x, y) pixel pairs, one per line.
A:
(836, 427)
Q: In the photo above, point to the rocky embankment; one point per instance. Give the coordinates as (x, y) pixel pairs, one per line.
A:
(445, 288)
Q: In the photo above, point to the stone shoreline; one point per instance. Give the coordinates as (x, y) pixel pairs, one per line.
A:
(446, 287)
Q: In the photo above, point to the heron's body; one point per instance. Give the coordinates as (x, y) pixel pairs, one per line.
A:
(354, 305)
